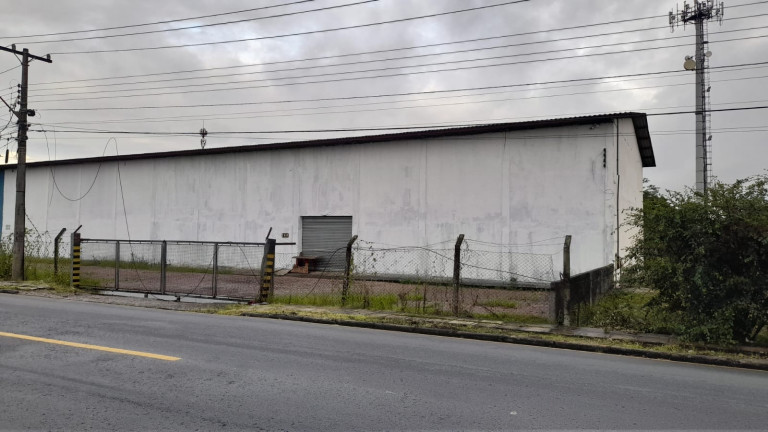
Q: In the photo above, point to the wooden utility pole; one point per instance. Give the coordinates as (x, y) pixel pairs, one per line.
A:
(17, 272)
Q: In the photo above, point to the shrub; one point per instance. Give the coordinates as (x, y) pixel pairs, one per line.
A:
(707, 255)
(631, 310)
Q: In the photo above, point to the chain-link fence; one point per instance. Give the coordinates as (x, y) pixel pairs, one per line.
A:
(466, 278)
(228, 270)
(317, 284)
(43, 260)
(493, 282)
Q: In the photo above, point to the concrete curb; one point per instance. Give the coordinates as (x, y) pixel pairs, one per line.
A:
(521, 340)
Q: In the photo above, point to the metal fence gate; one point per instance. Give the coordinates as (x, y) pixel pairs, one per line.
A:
(188, 268)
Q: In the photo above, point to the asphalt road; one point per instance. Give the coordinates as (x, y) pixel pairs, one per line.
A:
(259, 374)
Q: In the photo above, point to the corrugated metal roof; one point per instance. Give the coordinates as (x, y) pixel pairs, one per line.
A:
(639, 120)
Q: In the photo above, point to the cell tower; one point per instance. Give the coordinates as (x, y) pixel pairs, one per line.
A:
(700, 13)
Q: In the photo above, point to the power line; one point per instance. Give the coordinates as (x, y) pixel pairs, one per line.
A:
(382, 95)
(192, 45)
(368, 61)
(394, 50)
(293, 110)
(270, 80)
(152, 23)
(8, 70)
(297, 33)
(249, 136)
(155, 22)
(337, 56)
(465, 123)
(202, 25)
(383, 60)
(95, 177)
(400, 107)
(453, 69)
(222, 14)
(250, 87)
(119, 132)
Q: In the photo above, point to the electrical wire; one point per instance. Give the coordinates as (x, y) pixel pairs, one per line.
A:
(382, 51)
(375, 60)
(127, 226)
(95, 177)
(366, 62)
(307, 59)
(384, 95)
(410, 73)
(153, 23)
(297, 111)
(423, 106)
(202, 25)
(192, 45)
(8, 70)
(293, 34)
(369, 129)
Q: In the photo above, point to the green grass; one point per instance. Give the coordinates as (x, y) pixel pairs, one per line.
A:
(375, 302)
(473, 327)
(308, 300)
(411, 297)
(394, 303)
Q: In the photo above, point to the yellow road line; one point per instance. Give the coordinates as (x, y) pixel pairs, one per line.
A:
(93, 347)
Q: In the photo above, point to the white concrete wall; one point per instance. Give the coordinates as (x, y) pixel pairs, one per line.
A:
(512, 188)
(631, 184)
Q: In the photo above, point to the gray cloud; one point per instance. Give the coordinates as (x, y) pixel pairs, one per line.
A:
(736, 153)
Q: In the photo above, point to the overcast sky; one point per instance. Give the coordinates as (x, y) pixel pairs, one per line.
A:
(72, 98)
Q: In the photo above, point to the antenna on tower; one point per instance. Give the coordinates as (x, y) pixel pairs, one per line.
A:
(700, 13)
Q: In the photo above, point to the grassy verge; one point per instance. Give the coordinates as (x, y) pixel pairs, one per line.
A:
(407, 303)
(477, 327)
(497, 329)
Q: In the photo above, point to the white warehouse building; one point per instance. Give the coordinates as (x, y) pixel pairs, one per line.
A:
(509, 183)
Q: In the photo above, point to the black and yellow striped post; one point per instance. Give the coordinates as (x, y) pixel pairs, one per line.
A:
(267, 287)
(76, 260)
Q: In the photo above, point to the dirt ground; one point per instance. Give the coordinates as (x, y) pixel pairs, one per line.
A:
(422, 296)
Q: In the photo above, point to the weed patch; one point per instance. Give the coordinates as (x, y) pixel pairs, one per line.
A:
(632, 311)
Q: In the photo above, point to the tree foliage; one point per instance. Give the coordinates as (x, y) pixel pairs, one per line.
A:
(707, 255)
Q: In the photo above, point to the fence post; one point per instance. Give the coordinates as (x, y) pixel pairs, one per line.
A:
(267, 289)
(347, 271)
(163, 258)
(117, 265)
(56, 242)
(75, 279)
(457, 274)
(214, 286)
(563, 291)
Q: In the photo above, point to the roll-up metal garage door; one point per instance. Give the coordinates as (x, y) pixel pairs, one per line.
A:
(326, 237)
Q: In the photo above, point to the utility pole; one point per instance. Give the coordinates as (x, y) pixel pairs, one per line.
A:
(17, 272)
(699, 14)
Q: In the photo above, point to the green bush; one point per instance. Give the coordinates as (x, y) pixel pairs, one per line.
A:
(630, 310)
(707, 255)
